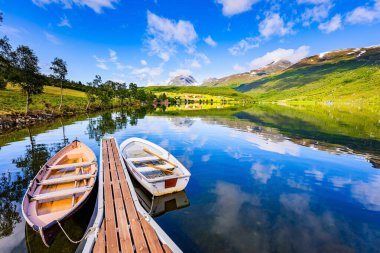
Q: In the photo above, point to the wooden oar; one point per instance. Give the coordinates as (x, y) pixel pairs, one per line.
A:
(158, 168)
(154, 167)
(160, 157)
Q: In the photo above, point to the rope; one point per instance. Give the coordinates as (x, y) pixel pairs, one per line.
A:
(43, 237)
(91, 229)
(151, 206)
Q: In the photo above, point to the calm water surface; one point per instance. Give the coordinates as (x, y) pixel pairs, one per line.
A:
(263, 179)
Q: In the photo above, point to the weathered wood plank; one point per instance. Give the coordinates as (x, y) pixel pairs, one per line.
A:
(111, 232)
(151, 236)
(137, 232)
(122, 222)
(100, 243)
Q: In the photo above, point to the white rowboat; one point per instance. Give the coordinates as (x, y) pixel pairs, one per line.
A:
(59, 189)
(153, 167)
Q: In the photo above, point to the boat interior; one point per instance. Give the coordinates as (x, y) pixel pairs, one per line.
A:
(62, 186)
(148, 161)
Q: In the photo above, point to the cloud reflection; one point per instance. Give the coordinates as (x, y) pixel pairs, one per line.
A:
(263, 173)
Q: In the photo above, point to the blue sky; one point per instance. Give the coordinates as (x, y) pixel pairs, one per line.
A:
(151, 41)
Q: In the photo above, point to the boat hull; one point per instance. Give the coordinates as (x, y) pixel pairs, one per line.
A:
(160, 187)
(157, 186)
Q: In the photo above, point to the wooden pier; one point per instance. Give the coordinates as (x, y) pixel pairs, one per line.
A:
(125, 226)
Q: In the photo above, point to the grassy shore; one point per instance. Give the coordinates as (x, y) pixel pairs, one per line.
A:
(13, 101)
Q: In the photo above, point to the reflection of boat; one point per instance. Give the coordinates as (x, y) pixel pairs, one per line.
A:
(154, 167)
(157, 206)
(59, 189)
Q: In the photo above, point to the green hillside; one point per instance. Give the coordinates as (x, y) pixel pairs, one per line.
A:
(350, 75)
(12, 100)
(213, 91)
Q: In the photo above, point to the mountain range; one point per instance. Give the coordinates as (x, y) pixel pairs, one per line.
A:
(247, 77)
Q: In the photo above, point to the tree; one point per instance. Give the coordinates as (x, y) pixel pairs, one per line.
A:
(105, 93)
(92, 90)
(133, 90)
(59, 67)
(26, 73)
(6, 56)
(122, 92)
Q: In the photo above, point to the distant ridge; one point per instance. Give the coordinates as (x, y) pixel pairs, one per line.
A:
(247, 77)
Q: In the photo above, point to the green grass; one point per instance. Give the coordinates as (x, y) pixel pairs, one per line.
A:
(348, 81)
(12, 100)
(213, 91)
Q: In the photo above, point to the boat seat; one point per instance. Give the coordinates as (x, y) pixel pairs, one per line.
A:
(63, 193)
(70, 165)
(67, 179)
(145, 158)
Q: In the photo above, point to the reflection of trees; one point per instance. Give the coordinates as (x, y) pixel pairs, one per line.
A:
(9, 193)
(34, 158)
(109, 122)
(12, 189)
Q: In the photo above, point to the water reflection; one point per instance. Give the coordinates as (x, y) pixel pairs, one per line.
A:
(157, 206)
(266, 179)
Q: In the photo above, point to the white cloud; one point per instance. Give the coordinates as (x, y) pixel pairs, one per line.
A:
(198, 61)
(147, 75)
(233, 7)
(318, 175)
(206, 158)
(101, 63)
(145, 72)
(244, 45)
(262, 173)
(367, 193)
(273, 24)
(331, 26)
(95, 5)
(165, 34)
(210, 41)
(362, 14)
(195, 64)
(143, 62)
(64, 22)
(238, 68)
(9, 30)
(292, 55)
(316, 14)
(113, 55)
(179, 72)
(53, 39)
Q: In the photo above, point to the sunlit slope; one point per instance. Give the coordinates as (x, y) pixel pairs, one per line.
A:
(13, 100)
(351, 75)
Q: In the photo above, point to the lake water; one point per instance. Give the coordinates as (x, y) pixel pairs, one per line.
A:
(264, 179)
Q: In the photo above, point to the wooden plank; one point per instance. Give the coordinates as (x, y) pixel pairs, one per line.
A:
(166, 248)
(151, 236)
(122, 222)
(63, 193)
(111, 232)
(137, 232)
(70, 165)
(66, 179)
(100, 243)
